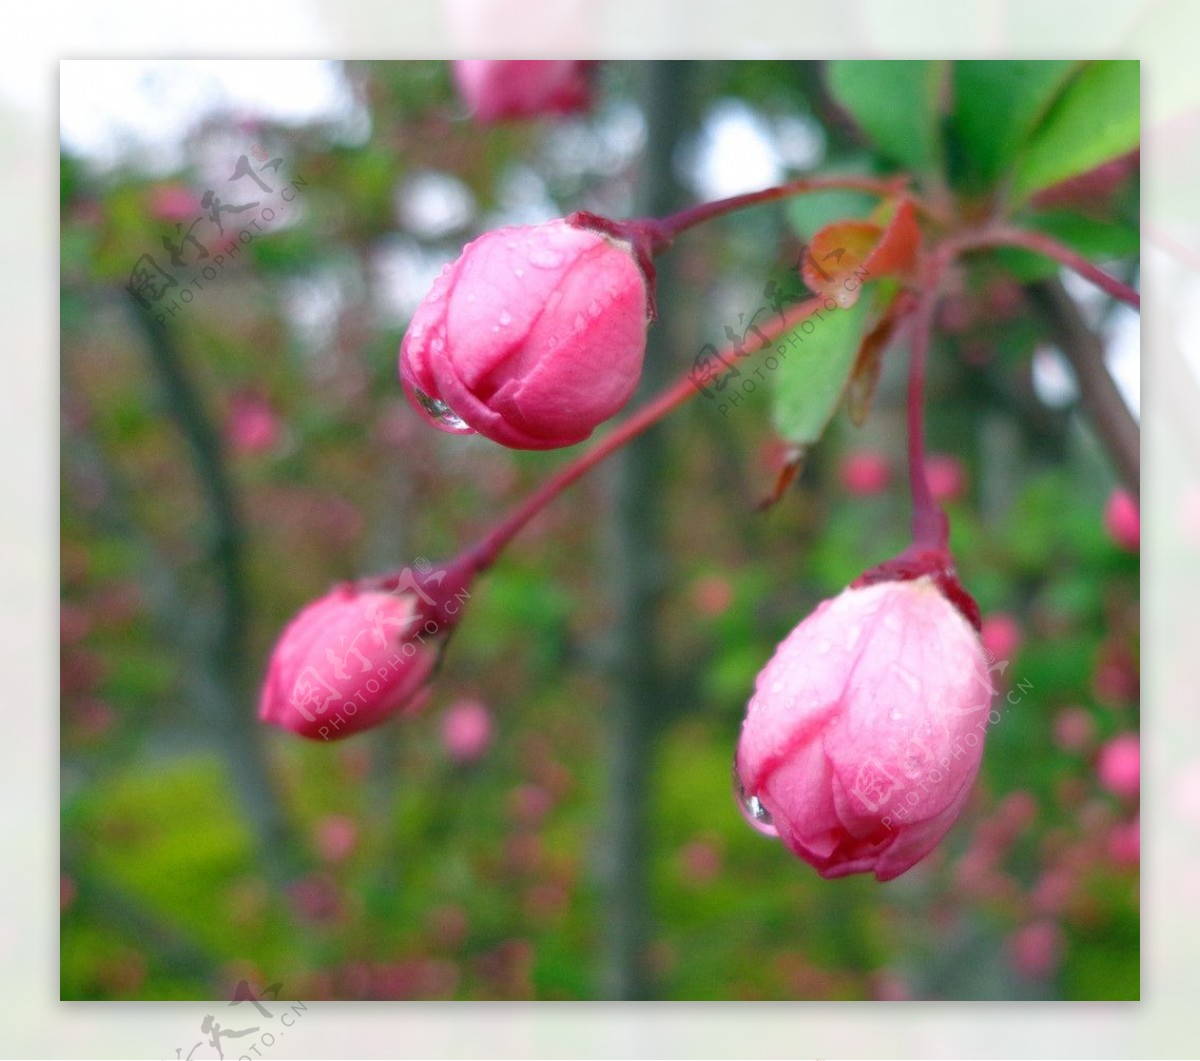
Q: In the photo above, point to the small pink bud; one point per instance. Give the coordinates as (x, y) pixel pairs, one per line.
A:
(865, 472)
(1120, 765)
(712, 595)
(865, 730)
(351, 660)
(466, 731)
(1001, 636)
(1125, 843)
(947, 477)
(499, 89)
(1036, 949)
(252, 426)
(533, 337)
(1074, 729)
(336, 835)
(1122, 520)
(175, 203)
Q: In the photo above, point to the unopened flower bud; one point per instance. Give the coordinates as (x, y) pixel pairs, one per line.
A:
(866, 728)
(533, 337)
(356, 657)
(500, 89)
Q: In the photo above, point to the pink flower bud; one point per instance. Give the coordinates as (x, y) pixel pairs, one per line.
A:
(1074, 729)
(1120, 765)
(336, 837)
(1035, 950)
(947, 477)
(466, 731)
(1001, 636)
(533, 337)
(350, 660)
(500, 89)
(866, 730)
(252, 426)
(1122, 520)
(865, 473)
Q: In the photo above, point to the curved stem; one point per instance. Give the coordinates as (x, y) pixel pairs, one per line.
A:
(672, 225)
(484, 553)
(1040, 243)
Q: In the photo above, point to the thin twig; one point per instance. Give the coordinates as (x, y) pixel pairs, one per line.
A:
(1098, 393)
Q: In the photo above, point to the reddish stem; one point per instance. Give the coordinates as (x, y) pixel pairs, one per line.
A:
(672, 225)
(484, 553)
(930, 528)
(1040, 243)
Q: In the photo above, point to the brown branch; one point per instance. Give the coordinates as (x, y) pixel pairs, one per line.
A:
(1111, 418)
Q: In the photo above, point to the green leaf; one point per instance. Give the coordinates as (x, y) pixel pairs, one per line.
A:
(997, 104)
(815, 360)
(895, 103)
(1094, 120)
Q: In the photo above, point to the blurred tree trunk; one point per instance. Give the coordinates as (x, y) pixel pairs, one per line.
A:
(638, 573)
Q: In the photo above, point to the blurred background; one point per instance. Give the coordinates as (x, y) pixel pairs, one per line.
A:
(559, 823)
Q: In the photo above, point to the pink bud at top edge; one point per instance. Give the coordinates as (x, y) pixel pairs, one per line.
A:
(349, 661)
(865, 730)
(500, 89)
(1123, 521)
(533, 337)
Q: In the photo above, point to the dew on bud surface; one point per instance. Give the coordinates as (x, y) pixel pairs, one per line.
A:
(441, 412)
(752, 809)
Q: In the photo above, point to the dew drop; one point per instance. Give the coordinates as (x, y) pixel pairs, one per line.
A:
(544, 258)
(506, 318)
(896, 715)
(441, 413)
(580, 322)
(751, 807)
(519, 273)
(595, 309)
(823, 648)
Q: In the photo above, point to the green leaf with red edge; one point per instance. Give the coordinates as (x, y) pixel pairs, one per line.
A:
(997, 104)
(1096, 118)
(814, 364)
(897, 104)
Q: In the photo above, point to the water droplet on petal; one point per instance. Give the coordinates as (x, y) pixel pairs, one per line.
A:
(751, 807)
(595, 309)
(520, 273)
(506, 318)
(441, 413)
(896, 715)
(580, 322)
(823, 648)
(544, 258)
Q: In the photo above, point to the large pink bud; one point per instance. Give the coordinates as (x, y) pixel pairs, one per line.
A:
(500, 89)
(533, 337)
(865, 730)
(354, 658)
